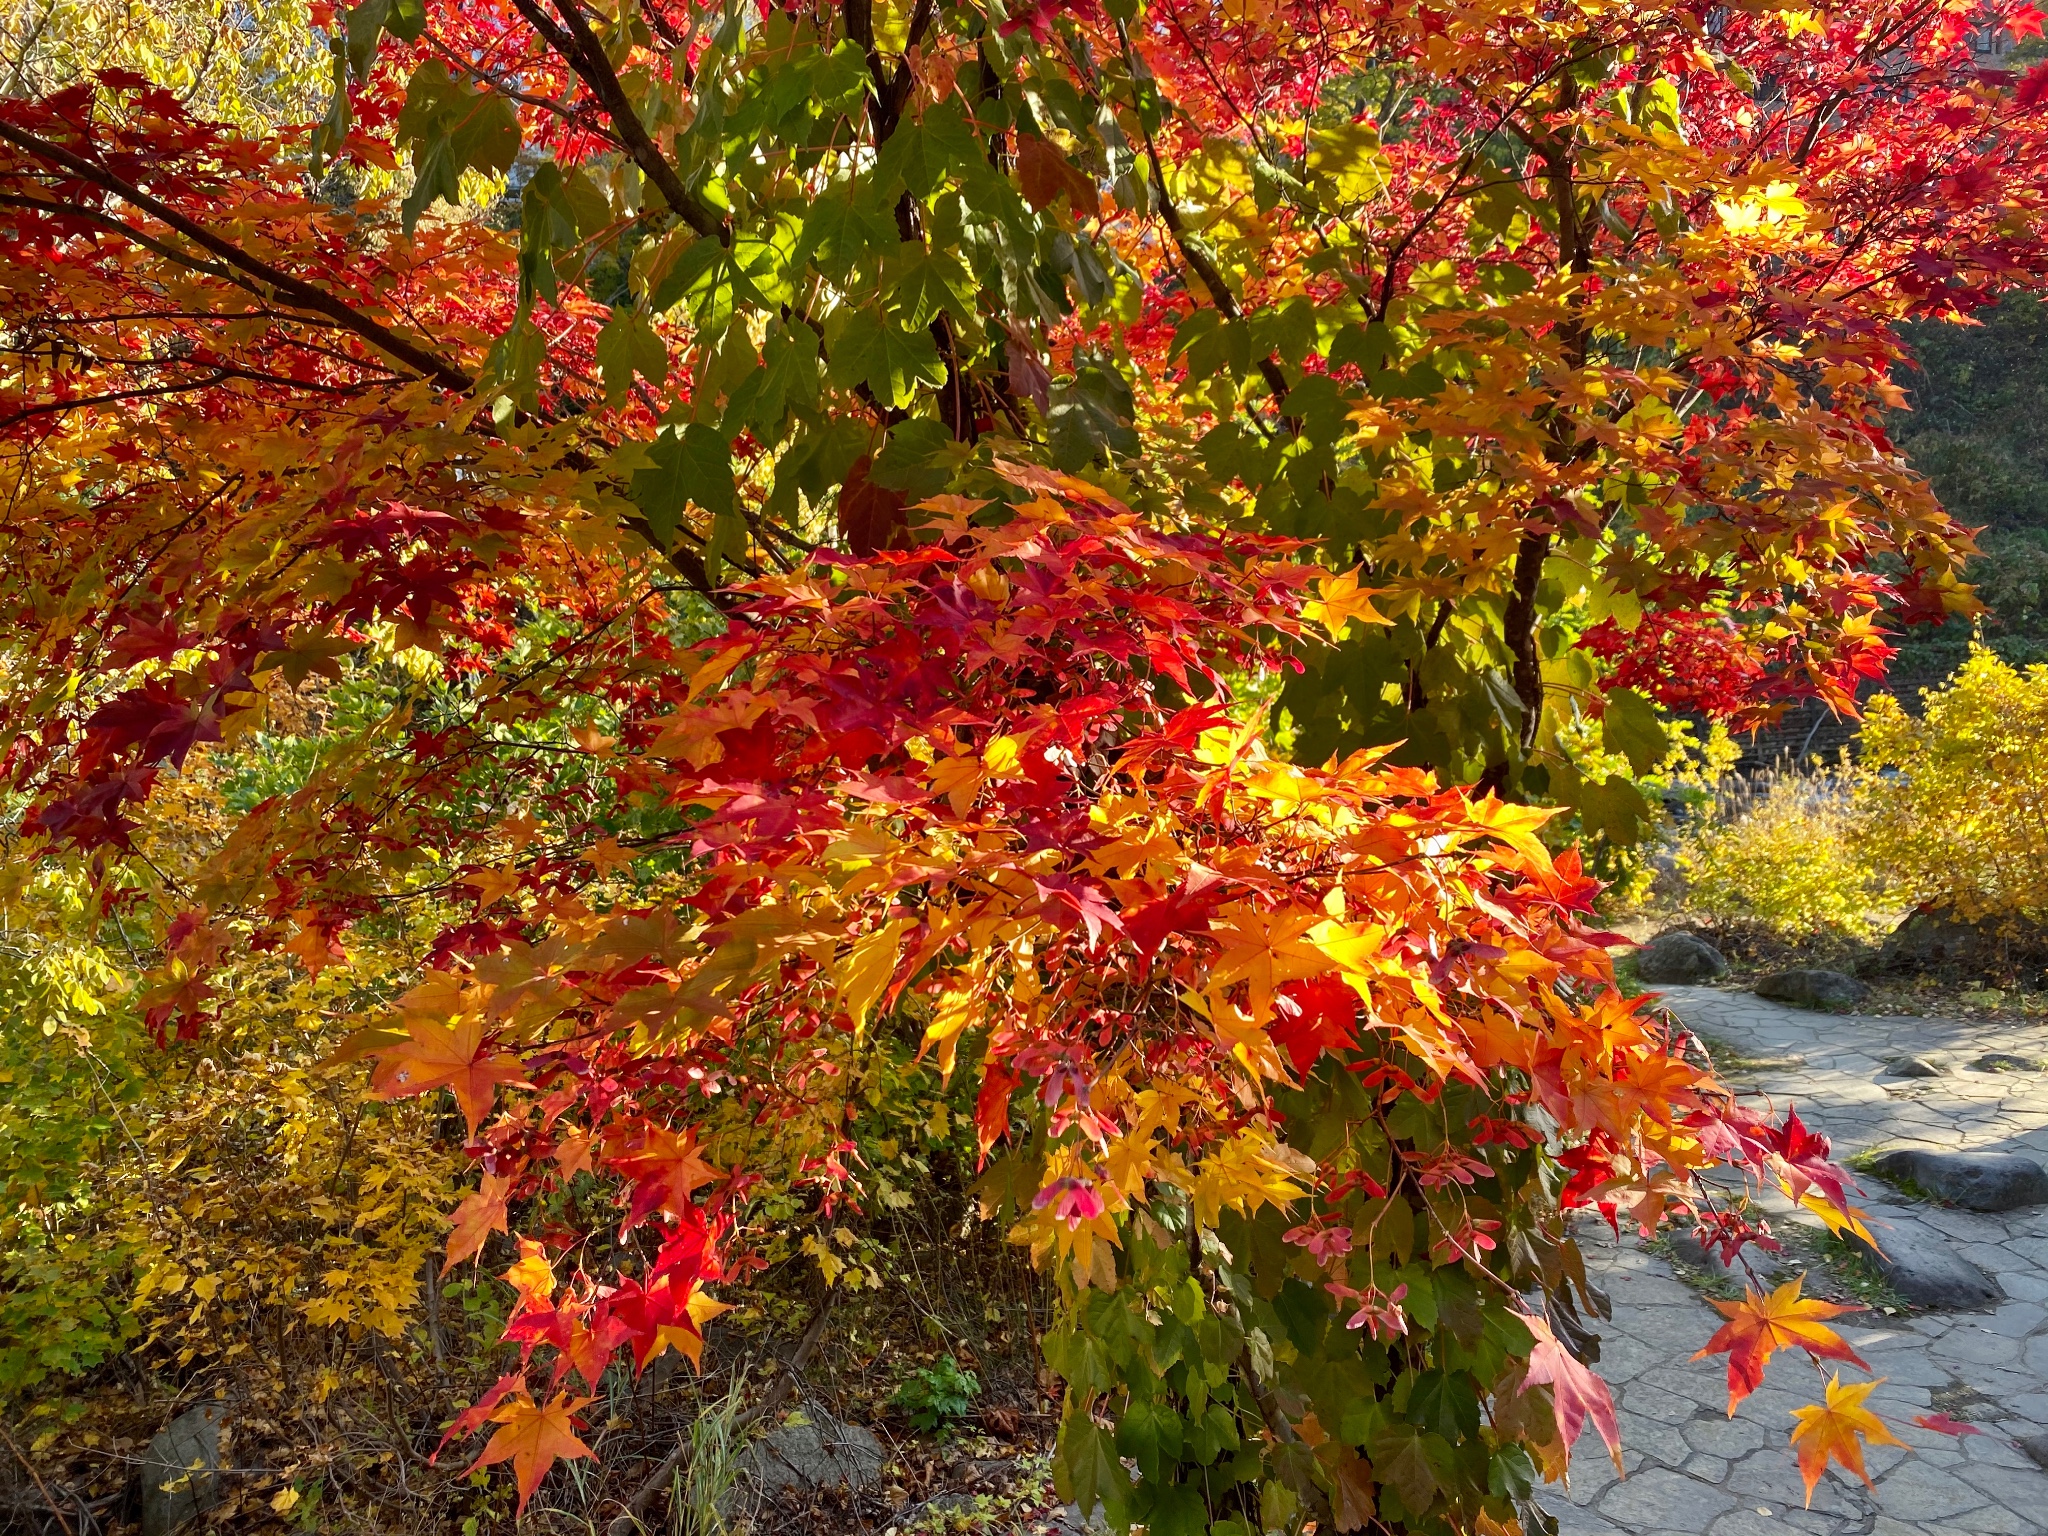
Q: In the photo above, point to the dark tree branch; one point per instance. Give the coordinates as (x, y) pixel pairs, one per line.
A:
(585, 54)
(295, 290)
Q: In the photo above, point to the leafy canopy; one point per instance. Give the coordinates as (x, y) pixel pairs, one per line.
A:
(773, 439)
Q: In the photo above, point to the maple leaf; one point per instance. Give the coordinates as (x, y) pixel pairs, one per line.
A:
(1760, 1325)
(534, 1438)
(1341, 599)
(533, 1277)
(1576, 1393)
(1837, 1432)
(666, 1170)
(476, 1218)
(445, 1056)
(864, 974)
(1942, 1424)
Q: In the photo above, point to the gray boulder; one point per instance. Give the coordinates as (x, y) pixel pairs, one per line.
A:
(1829, 990)
(1678, 957)
(822, 1453)
(1923, 1267)
(181, 1470)
(1941, 943)
(1690, 1250)
(1977, 1181)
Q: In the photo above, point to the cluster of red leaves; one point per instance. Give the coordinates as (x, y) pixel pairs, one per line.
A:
(992, 783)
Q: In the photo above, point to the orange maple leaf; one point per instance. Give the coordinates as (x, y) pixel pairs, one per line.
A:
(534, 1439)
(477, 1218)
(533, 1277)
(445, 1056)
(1838, 1431)
(1758, 1325)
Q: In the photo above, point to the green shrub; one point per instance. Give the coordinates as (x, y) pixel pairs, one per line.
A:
(937, 1396)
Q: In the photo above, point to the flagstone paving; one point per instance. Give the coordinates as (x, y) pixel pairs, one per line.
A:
(1692, 1469)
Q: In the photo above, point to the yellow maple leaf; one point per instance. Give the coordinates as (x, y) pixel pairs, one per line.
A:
(1837, 1432)
(864, 974)
(1339, 600)
(1266, 949)
(959, 779)
(958, 1007)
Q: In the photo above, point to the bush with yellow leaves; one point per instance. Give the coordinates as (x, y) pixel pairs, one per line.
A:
(1953, 806)
(1782, 851)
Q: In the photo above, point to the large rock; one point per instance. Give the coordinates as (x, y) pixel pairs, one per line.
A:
(1830, 990)
(820, 1453)
(1678, 957)
(1941, 943)
(1767, 1266)
(1923, 1267)
(181, 1471)
(1977, 1181)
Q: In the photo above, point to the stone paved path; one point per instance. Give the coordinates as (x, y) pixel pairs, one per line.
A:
(1690, 1468)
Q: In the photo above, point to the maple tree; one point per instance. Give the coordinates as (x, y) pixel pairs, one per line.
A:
(730, 422)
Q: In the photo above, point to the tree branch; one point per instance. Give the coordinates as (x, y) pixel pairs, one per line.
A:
(585, 54)
(295, 290)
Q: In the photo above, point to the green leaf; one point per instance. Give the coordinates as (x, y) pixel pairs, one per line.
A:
(1150, 1434)
(918, 459)
(839, 230)
(1371, 347)
(1090, 419)
(512, 367)
(789, 378)
(1085, 1470)
(627, 345)
(1346, 164)
(1079, 1360)
(1177, 1510)
(919, 155)
(1210, 1434)
(363, 26)
(1630, 726)
(728, 541)
(688, 467)
(450, 129)
(818, 459)
(365, 23)
(891, 362)
(923, 283)
(1616, 807)
(1511, 1474)
(1398, 1460)
(406, 20)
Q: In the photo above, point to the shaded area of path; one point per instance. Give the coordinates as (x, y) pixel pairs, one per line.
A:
(1691, 1469)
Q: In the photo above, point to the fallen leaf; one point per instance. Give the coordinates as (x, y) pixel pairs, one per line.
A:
(1942, 1424)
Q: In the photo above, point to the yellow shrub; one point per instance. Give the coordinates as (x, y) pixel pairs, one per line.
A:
(1953, 806)
(1783, 853)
